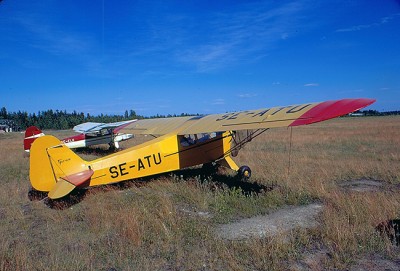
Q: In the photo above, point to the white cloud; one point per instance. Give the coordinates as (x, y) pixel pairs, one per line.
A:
(245, 34)
(247, 95)
(311, 85)
(53, 40)
(382, 21)
(218, 102)
(284, 36)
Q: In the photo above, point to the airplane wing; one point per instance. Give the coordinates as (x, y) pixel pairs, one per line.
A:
(281, 116)
(95, 127)
(159, 126)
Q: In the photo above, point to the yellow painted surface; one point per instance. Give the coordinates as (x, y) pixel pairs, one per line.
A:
(65, 162)
(61, 189)
(280, 116)
(153, 157)
(50, 161)
(160, 155)
(41, 172)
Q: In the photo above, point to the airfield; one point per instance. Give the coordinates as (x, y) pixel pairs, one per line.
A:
(316, 201)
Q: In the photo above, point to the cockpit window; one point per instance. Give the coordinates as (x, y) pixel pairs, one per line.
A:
(192, 139)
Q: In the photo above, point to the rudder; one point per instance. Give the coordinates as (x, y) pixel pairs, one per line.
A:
(54, 168)
(31, 134)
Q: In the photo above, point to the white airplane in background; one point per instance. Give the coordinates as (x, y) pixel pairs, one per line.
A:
(91, 133)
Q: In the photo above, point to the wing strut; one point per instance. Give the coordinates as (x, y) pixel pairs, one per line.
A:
(239, 143)
(290, 152)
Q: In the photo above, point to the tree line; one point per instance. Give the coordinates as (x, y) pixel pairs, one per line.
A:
(62, 120)
(377, 113)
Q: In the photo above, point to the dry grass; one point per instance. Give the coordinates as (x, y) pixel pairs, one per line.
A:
(146, 226)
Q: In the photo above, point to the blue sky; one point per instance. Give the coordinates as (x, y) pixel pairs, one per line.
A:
(172, 57)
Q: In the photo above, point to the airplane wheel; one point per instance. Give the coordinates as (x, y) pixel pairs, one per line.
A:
(244, 173)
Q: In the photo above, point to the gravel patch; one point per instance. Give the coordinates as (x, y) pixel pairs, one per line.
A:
(283, 220)
(362, 185)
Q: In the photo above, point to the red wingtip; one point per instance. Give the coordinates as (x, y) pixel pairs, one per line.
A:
(119, 128)
(332, 109)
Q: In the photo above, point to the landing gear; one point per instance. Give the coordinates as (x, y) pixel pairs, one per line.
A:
(244, 173)
(114, 146)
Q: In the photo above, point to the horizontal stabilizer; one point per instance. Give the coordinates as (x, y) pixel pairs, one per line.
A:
(66, 184)
(61, 189)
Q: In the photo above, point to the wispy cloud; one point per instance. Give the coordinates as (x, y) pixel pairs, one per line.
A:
(311, 85)
(53, 40)
(189, 42)
(382, 21)
(241, 35)
(218, 102)
(247, 95)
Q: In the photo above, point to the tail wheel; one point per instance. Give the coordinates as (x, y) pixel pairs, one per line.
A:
(244, 172)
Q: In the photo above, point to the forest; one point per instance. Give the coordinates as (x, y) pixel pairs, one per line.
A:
(61, 119)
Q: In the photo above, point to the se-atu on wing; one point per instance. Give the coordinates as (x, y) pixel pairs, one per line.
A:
(281, 116)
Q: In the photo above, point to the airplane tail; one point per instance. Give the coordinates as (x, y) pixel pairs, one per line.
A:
(55, 168)
(31, 134)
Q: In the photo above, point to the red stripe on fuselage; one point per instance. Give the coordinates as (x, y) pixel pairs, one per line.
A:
(74, 138)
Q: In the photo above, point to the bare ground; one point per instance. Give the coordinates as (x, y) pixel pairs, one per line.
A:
(362, 185)
(314, 260)
(292, 217)
(285, 219)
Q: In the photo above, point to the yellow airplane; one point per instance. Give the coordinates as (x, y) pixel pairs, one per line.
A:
(179, 143)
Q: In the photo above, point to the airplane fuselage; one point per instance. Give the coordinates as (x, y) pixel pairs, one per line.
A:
(160, 155)
(86, 140)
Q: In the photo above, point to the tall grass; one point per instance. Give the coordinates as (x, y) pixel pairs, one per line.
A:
(157, 225)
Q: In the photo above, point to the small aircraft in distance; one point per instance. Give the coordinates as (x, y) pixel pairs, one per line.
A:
(91, 133)
(179, 143)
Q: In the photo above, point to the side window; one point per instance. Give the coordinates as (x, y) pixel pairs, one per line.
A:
(188, 140)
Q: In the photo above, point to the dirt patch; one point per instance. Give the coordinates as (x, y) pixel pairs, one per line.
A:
(362, 185)
(191, 211)
(316, 259)
(311, 260)
(283, 220)
(375, 263)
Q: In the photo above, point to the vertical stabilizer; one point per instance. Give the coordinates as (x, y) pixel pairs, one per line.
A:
(54, 168)
(31, 134)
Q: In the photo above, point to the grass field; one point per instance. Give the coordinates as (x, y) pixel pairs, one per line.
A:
(156, 224)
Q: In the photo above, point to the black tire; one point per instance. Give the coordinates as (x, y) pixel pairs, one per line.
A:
(244, 173)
